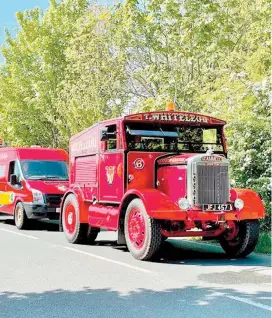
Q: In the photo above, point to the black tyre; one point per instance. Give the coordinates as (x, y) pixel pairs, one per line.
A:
(20, 217)
(74, 231)
(91, 235)
(164, 238)
(244, 242)
(142, 233)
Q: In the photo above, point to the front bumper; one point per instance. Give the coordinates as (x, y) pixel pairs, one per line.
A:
(179, 215)
(41, 211)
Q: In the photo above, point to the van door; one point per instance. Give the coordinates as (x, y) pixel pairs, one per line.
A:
(13, 190)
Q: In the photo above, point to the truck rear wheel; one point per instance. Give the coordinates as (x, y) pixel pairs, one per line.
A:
(91, 235)
(20, 217)
(74, 231)
(245, 238)
(142, 233)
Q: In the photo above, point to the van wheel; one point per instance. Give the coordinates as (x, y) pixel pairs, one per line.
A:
(20, 217)
(241, 239)
(74, 231)
(142, 233)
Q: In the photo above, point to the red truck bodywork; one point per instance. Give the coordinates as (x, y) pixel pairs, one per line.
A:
(49, 190)
(104, 181)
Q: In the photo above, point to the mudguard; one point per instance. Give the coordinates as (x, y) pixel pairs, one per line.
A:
(158, 205)
(83, 207)
(253, 204)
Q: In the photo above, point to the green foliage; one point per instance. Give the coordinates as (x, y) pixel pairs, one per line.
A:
(264, 243)
(34, 65)
(77, 63)
(95, 73)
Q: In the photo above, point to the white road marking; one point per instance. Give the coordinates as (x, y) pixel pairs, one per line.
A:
(29, 236)
(250, 302)
(109, 260)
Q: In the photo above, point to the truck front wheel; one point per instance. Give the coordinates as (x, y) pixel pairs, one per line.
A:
(241, 239)
(74, 231)
(142, 233)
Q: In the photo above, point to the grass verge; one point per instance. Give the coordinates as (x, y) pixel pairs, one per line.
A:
(264, 243)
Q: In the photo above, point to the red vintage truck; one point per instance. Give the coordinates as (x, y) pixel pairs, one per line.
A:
(32, 183)
(156, 175)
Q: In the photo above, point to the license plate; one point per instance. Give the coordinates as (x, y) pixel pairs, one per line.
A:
(57, 210)
(217, 207)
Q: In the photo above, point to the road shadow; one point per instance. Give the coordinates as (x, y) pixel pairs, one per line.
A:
(34, 225)
(172, 251)
(191, 301)
(182, 252)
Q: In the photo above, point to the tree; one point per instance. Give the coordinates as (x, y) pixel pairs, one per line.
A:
(34, 66)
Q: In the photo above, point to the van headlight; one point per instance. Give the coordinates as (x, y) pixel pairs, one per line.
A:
(183, 204)
(37, 196)
(239, 204)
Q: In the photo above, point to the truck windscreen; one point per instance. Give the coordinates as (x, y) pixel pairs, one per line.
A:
(44, 169)
(174, 138)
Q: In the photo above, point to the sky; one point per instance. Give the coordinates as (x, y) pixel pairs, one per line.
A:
(7, 15)
(8, 8)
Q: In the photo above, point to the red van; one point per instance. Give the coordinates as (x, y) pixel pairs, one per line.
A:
(32, 183)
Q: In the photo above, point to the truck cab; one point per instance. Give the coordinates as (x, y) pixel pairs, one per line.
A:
(154, 175)
(32, 183)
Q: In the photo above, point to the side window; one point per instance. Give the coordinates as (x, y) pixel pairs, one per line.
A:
(112, 141)
(14, 169)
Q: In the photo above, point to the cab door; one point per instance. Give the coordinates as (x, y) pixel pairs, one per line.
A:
(111, 164)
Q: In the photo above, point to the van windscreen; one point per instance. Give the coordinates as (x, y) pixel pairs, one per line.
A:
(44, 169)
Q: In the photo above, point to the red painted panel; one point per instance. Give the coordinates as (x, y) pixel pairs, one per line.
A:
(86, 170)
(141, 169)
(172, 181)
(253, 205)
(103, 216)
(111, 176)
(42, 154)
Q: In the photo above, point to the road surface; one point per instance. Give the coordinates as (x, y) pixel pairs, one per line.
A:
(42, 275)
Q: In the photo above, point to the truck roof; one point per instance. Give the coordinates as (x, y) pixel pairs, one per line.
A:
(161, 116)
(35, 153)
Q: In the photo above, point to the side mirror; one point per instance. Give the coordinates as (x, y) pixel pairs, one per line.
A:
(104, 134)
(13, 179)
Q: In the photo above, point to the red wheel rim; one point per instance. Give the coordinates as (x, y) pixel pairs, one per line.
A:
(232, 235)
(136, 228)
(70, 218)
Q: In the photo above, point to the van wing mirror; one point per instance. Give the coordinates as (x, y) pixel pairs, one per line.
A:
(13, 179)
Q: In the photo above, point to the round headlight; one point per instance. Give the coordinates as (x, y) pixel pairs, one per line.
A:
(239, 204)
(183, 204)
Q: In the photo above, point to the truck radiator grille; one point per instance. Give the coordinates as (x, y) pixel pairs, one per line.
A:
(211, 184)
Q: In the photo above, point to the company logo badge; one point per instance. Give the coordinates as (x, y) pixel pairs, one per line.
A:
(110, 171)
(6, 198)
(211, 158)
(139, 163)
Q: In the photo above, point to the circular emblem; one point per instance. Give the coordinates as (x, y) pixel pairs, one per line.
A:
(139, 164)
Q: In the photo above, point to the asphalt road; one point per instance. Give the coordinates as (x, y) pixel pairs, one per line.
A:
(42, 275)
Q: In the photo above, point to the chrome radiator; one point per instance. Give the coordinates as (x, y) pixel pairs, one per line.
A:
(208, 180)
